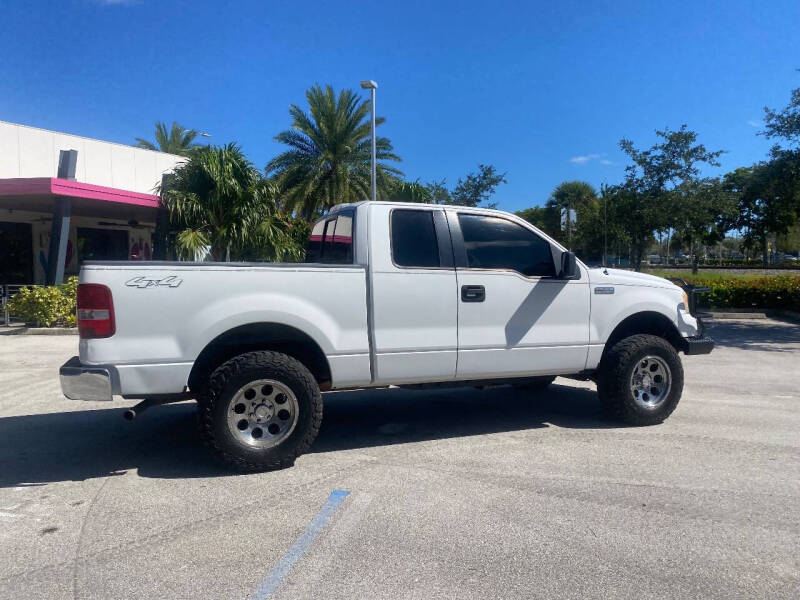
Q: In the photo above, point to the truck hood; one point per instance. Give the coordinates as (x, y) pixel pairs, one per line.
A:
(621, 277)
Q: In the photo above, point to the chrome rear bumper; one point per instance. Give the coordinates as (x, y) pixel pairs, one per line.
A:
(84, 382)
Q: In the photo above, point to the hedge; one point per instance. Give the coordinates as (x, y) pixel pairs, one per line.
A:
(46, 306)
(770, 291)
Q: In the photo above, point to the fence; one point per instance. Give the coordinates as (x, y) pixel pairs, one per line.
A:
(6, 291)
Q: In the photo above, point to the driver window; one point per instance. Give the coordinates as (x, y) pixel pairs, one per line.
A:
(495, 243)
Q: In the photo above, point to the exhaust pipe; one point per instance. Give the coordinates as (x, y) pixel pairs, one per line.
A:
(134, 411)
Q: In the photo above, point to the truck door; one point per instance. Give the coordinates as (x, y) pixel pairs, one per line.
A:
(515, 317)
(415, 306)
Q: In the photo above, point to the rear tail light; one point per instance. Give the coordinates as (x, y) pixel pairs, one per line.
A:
(95, 311)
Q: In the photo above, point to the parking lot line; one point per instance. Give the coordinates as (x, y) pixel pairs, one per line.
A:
(288, 560)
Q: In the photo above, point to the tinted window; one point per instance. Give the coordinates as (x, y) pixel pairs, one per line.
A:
(494, 243)
(339, 240)
(331, 240)
(314, 248)
(414, 239)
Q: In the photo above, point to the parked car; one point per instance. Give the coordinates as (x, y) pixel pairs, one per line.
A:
(392, 294)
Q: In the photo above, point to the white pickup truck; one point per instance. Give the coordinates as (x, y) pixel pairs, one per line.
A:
(391, 294)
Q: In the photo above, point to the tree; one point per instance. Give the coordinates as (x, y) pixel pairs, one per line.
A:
(783, 168)
(439, 192)
(785, 123)
(411, 191)
(541, 217)
(570, 196)
(764, 200)
(329, 155)
(178, 140)
(476, 187)
(647, 196)
(220, 204)
(703, 210)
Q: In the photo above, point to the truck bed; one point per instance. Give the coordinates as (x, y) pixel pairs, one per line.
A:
(169, 311)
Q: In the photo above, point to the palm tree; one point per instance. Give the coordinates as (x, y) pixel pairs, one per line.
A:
(221, 205)
(411, 191)
(328, 160)
(178, 140)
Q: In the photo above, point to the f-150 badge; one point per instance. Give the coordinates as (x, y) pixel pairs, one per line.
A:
(143, 282)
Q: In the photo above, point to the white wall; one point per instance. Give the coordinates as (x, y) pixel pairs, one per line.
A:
(31, 152)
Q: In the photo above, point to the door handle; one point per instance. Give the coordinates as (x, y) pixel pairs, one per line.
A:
(473, 293)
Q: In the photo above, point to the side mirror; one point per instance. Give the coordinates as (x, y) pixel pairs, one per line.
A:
(569, 268)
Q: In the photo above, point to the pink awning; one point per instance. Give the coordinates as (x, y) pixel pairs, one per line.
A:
(52, 186)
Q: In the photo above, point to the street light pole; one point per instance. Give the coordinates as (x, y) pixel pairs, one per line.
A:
(372, 86)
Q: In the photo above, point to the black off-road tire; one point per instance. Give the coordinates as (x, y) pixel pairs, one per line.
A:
(613, 380)
(213, 404)
(536, 384)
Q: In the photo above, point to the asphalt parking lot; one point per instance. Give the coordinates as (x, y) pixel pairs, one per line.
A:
(452, 494)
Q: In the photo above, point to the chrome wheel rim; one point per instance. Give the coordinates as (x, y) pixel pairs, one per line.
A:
(263, 413)
(651, 380)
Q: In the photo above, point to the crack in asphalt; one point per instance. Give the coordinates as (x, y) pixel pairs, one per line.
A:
(81, 535)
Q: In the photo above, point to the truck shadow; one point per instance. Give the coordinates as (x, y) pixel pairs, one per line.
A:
(362, 419)
(163, 443)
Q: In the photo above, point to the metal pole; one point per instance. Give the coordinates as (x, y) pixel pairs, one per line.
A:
(374, 178)
(605, 229)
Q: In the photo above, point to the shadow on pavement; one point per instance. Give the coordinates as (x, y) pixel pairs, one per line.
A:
(755, 334)
(362, 419)
(163, 443)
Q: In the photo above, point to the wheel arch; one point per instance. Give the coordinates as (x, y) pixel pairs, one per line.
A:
(277, 337)
(646, 322)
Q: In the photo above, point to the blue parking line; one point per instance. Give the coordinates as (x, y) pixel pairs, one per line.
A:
(288, 560)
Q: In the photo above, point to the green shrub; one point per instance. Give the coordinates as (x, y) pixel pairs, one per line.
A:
(46, 306)
(770, 291)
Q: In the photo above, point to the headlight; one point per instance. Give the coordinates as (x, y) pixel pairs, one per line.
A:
(685, 297)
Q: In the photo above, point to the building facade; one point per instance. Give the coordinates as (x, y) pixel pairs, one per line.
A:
(65, 199)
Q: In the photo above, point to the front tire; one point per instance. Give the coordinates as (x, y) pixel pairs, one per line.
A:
(260, 411)
(641, 380)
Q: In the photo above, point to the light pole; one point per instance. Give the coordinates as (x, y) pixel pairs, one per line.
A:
(372, 86)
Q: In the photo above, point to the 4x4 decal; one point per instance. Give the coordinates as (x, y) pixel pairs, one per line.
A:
(143, 282)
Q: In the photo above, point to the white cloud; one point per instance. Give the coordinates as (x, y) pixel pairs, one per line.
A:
(582, 160)
(587, 158)
(753, 123)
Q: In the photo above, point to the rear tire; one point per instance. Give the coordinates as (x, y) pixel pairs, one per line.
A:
(640, 380)
(260, 411)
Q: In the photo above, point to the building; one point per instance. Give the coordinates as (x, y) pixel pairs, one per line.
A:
(65, 199)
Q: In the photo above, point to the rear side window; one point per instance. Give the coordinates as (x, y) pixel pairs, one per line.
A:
(495, 243)
(339, 241)
(314, 248)
(331, 240)
(414, 241)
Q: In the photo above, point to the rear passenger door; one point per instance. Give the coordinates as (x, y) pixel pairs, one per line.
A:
(414, 295)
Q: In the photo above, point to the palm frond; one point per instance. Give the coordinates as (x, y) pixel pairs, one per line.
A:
(328, 154)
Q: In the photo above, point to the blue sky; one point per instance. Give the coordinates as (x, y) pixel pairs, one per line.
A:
(542, 90)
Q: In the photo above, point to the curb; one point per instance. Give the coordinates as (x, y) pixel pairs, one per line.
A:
(754, 313)
(39, 331)
(737, 315)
